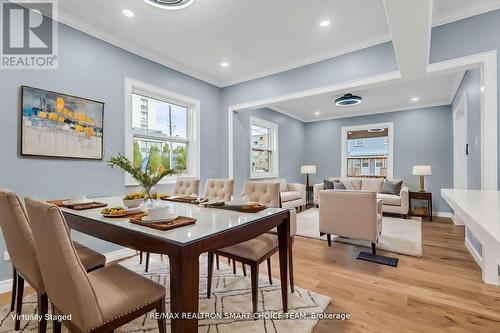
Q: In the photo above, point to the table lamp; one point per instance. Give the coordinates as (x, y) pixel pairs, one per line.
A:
(307, 170)
(422, 170)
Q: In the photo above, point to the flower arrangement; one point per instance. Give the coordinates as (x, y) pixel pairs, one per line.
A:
(147, 178)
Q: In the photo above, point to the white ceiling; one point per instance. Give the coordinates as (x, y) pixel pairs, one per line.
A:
(256, 37)
(431, 91)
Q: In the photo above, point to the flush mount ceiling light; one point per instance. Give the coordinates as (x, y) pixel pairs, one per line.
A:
(169, 4)
(348, 100)
(415, 99)
(128, 13)
(317, 113)
(224, 64)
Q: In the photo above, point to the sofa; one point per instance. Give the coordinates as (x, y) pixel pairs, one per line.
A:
(396, 204)
(293, 195)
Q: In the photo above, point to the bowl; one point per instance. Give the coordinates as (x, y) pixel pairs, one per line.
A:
(132, 203)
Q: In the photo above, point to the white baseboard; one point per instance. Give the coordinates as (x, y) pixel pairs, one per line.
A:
(6, 285)
(443, 214)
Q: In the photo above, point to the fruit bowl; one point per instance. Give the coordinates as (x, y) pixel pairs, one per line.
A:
(132, 203)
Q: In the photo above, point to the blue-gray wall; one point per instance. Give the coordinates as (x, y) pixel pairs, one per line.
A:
(91, 68)
(465, 37)
(421, 136)
(471, 85)
(291, 146)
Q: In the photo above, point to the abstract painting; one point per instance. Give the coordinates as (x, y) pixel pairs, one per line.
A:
(59, 125)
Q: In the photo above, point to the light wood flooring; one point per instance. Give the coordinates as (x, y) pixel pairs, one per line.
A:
(440, 292)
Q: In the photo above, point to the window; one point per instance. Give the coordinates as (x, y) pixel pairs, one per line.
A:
(367, 150)
(263, 149)
(162, 130)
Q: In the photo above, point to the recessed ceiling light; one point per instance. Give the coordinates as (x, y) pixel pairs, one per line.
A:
(224, 64)
(325, 23)
(415, 99)
(169, 4)
(317, 113)
(128, 13)
(482, 88)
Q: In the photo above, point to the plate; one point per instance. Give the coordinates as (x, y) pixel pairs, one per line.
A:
(147, 219)
(115, 215)
(69, 203)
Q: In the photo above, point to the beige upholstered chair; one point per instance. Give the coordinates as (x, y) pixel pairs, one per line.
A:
(350, 214)
(219, 189)
(99, 301)
(255, 251)
(186, 186)
(19, 241)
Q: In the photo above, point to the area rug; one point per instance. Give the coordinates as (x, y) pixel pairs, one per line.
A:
(230, 294)
(403, 236)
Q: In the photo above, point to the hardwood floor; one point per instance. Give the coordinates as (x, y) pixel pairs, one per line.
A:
(440, 292)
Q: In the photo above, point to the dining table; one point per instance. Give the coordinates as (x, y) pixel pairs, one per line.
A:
(214, 229)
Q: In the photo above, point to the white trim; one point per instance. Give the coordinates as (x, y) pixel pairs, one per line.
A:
(443, 214)
(6, 285)
(367, 81)
(286, 113)
(467, 12)
(194, 158)
(487, 62)
(343, 140)
(274, 163)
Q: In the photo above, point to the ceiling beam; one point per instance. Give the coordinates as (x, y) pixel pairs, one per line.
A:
(410, 22)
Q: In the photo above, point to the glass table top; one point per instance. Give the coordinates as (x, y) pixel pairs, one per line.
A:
(209, 221)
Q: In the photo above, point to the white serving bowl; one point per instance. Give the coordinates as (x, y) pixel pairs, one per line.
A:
(132, 203)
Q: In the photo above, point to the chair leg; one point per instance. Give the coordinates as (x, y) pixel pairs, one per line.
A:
(254, 272)
(244, 269)
(147, 262)
(162, 322)
(290, 265)
(234, 266)
(329, 239)
(210, 273)
(43, 309)
(19, 301)
(217, 261)
(374, 250)
(269, 271)
(14, 287)
(140, 258)
(56, 324)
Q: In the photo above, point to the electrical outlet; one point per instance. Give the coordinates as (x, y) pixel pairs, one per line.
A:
(6, 256)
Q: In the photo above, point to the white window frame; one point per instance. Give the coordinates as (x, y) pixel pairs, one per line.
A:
(390, 134)
(133, 86)
(273, 137)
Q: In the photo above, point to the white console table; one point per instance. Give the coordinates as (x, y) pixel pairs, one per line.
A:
(480, 212)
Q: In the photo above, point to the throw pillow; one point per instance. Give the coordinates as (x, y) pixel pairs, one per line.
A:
(339, 186)
(328, 184)
(392, 187)
(348, 184)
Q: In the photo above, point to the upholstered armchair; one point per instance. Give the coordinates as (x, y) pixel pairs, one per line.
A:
(219, 189)
(350, 214)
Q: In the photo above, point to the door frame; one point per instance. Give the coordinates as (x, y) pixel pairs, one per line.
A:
(462, 103)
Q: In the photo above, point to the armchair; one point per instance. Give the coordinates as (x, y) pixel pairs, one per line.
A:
(350, 214)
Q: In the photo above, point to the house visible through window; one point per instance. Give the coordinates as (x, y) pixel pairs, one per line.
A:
(263, 156)
(367, 153)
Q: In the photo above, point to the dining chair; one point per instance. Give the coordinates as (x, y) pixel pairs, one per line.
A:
(255, 251)
(218, 189)
(18, 237)
(186, 186)
(99, 301)
(183, 186)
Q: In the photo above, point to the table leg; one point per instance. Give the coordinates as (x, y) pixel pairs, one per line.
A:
(184, 288)
(283, 239)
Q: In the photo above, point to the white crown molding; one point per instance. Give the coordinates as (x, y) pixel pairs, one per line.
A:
(465, 13)
(71, 21)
